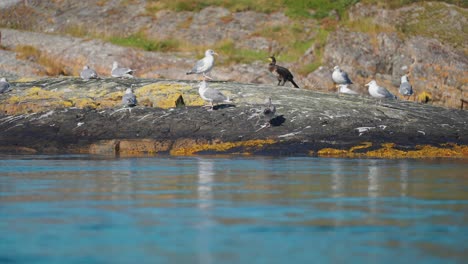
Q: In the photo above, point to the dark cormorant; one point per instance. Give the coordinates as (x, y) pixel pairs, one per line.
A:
(281, 73)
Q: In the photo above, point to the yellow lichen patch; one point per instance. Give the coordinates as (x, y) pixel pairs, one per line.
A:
(33, 107)
(218, 146)
(424, 97)
(27, 79)
(166, 95)
(388, 150)
(37, 93)
(84, 103)
(431, 151)
(131, 147)
(34, 99)
(169, 101)
(363, 145)
(115, 96)
(109, 100)
(67, 104)
(13, 99)
(332, 152)
(104, 147)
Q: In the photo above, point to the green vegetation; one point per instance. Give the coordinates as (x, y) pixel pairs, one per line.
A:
(293, 8)
(315, 8)
(139, 40)
(424, 24)
(367, 25)
(263, 6)
(400, 3)
(319, 41)
(433, 20)
(231, 54)
(51, 66)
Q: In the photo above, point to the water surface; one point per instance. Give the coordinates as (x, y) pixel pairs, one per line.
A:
(82, 209)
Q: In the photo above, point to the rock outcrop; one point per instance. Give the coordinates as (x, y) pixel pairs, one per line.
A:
(426, 40)
(68, 115)
(385, 54)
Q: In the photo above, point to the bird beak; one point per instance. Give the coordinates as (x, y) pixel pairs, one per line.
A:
(215, 54)
(367, 84)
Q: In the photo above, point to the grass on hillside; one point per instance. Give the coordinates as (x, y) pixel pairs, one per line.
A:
(400, 3)
(52, 67)
(292, 8)
(139, 40)
(230, 54)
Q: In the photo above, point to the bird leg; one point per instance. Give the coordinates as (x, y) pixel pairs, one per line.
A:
(210, 106)
(262, 127)
(207, 77)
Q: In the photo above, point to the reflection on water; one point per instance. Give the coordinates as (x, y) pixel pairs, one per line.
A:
(78, 209)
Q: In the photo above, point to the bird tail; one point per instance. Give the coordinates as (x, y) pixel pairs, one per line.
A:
(295, 85)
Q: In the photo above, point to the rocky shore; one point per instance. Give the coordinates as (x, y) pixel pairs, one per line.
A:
(426, 40)
(68, 115)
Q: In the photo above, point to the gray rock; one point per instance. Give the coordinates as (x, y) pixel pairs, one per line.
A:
(306, 121)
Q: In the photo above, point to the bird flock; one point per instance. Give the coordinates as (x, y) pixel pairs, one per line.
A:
(213, 96)
(342, 79)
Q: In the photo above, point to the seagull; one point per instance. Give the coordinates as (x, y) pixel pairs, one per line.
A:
(378, 91)
(405, 87)
(4, 85)
(340, 77)
(281, 73)
(88, 73)
(204, 65)
(211, 95)
(129, 98)
(268, 111)
(121, 72)
(344, 89)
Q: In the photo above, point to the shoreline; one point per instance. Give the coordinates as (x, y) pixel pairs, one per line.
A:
(68, 115)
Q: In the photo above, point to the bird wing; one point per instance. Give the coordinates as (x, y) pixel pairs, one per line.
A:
(88, 73)
(384, 92)
(129, 99)
(269, 110)
(406, 89)
(4, 86)
(122, 71)
(346, 90)
(214, 95)
(200, 66)
(345, 77)
(283, 72)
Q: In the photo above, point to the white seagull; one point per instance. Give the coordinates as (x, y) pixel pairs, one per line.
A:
(121, 72)
(405, 87)
(378, 91)
(340, 77)
(345, 90)
(4, 85)
(129, 98)
(211, 95)
(268, 111)
(88, 73)
(204, 65)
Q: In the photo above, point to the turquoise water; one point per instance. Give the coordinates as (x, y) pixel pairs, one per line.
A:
(80, 209)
